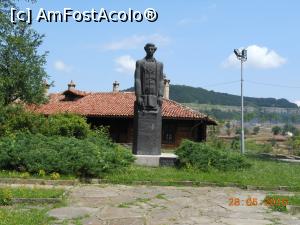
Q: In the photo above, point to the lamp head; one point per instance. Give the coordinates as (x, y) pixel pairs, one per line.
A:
(237, 52)
(244, 53)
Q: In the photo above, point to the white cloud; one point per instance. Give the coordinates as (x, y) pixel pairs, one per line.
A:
(258, 57)
(62, 67)
(136, 41)
(125, 64)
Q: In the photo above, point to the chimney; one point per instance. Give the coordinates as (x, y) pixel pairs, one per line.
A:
(166, 88)
(71, 85)
(116, 85)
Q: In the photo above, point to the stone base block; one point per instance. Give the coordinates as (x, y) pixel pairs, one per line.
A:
(147, 133)
(165, 159)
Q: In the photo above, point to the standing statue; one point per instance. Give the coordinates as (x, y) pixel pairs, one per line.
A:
(149, 85)
(149, 81)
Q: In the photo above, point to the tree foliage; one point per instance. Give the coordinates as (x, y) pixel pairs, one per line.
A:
(276, 130)
(256, 130)
(22, 72)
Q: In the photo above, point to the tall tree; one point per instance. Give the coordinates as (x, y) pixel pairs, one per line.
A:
(22, 72)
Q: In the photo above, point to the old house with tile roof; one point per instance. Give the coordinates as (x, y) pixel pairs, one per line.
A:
(116, 110)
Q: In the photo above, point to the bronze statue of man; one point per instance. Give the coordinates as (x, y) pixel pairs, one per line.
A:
(149, 81)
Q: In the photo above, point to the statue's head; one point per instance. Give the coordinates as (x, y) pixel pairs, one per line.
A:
(150, 49)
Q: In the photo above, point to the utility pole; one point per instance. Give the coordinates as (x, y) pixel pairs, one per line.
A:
(242, 56)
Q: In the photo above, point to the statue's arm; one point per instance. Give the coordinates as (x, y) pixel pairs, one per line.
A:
(137, 79)
(161, 82)
(161, 86)
(137, 82)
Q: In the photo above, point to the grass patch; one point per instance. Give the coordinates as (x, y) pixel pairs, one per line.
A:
(26, 175)
(25, 216)
(142, 200)
(77, 221)
(29, 214)
(270, 174)
(22, 192)
(125, 205)
(161, 196)
(294, 200)
(7, 194)
(136, 202)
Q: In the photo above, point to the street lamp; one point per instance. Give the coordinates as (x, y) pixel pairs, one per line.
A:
(242, 56)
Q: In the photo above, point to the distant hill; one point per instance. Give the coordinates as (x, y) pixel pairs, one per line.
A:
(187, 94)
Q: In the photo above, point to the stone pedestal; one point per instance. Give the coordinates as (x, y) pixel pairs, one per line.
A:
(165, 159)
(147, 132)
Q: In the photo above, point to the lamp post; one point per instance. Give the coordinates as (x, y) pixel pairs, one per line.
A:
(242, 56)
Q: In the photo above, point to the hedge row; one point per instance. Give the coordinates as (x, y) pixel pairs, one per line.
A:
(89, 157)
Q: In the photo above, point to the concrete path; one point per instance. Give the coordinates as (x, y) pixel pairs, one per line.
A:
(148, 205)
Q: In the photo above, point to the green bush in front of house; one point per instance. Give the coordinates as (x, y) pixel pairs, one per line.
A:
(15, 118)
(68, 125)
(89, 157)
(205, 157)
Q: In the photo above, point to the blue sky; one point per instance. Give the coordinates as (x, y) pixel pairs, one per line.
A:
(195, 41)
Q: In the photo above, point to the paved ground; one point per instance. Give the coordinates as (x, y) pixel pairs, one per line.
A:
(146, 205)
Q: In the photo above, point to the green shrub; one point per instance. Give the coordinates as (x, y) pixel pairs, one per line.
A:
(294, 144)
(42, 173)
(204, 157)
(276, 130)
(87, 157)
(256, 130)
(5, 196)
(15, 118)
(69, 125)
(235, 144)
(55, 176)
(25, 175)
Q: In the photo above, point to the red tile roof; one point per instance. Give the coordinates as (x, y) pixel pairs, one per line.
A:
(109, 104)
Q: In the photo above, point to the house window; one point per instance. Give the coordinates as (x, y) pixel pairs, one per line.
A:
(168, 133)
